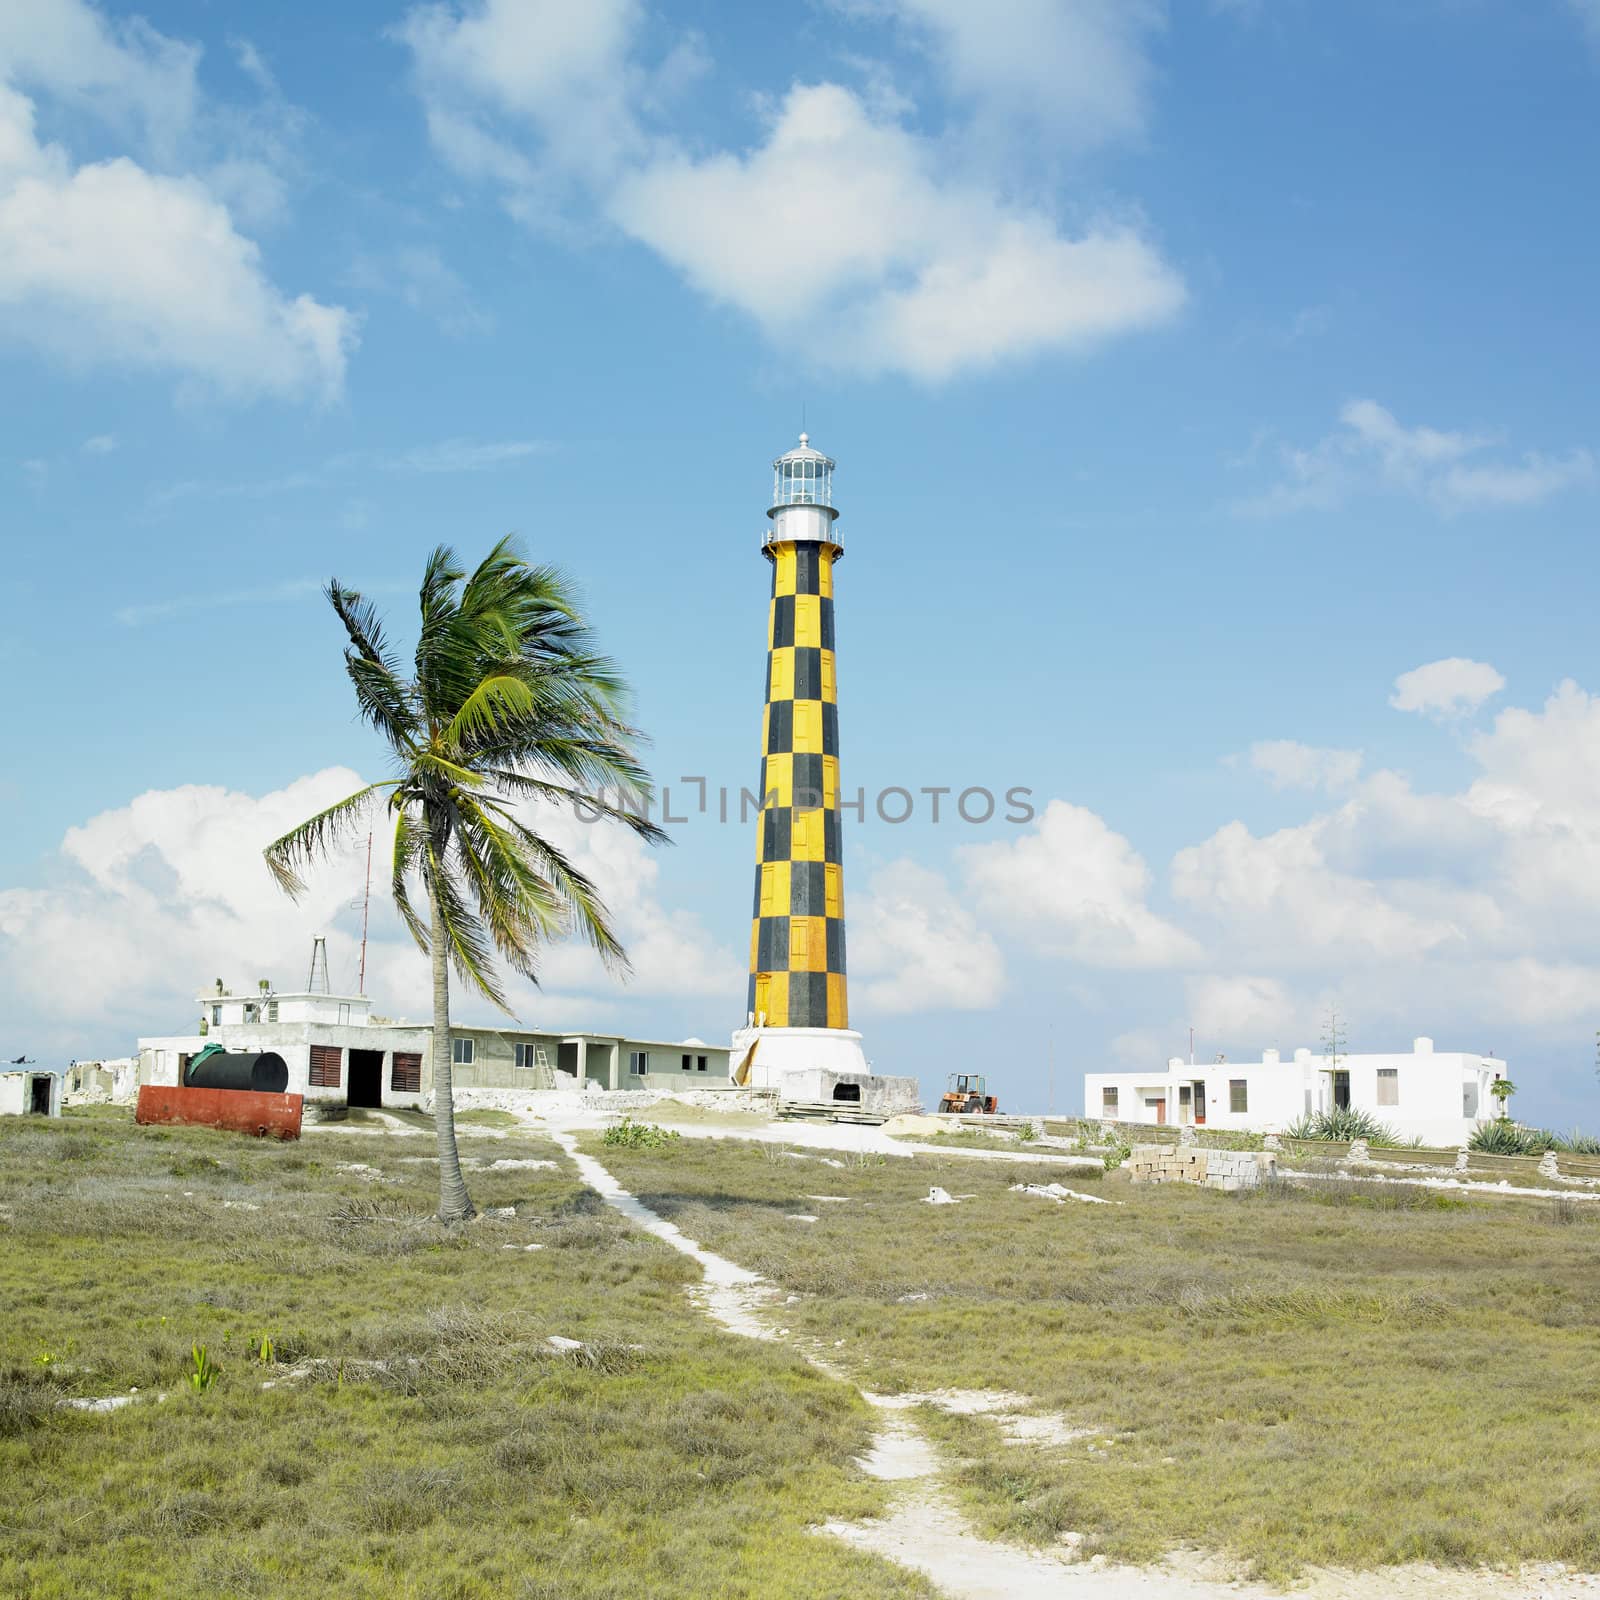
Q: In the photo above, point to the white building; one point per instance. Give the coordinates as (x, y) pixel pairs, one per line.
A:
(337, 1051)
(1436, 1096)
(29, 1090)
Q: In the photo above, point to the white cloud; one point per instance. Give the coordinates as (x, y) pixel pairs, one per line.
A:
(1453, 687)
(914, 272)
(1372, 451)
(1078, 889)
(841, 214)
(562, 70)
(162, 895)
(125, 73)
(914, 946)
(1291, 765)
(116, 263)
(102, 444)
(1243, 1008)
(1076, 68)
(1459, 913)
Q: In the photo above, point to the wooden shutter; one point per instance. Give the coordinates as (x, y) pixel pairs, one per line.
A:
(405, 1074)
(327, 1063)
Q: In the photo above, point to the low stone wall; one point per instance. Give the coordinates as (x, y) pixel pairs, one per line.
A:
(1229, 1170)
(558, 1100)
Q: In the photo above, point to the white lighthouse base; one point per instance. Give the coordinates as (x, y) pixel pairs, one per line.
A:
(818, 1065)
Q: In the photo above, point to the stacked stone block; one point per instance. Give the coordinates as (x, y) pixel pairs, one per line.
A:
(1228, 1170)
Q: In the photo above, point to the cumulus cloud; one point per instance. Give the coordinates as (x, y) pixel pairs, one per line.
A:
(1077, 888)
(913, 272)
(120, 263)
(1473, 907)
(1453, 687)
(1242, 1007)
(1078, 69)
(156, 898)
(841, 212)
(124, 73)
(1372, 451)
(1289, 764)
(914, 946)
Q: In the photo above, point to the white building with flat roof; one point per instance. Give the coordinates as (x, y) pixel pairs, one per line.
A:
(1438, 1096)
(337, 1051)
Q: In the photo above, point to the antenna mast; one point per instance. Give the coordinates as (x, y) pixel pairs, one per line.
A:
(366, 901)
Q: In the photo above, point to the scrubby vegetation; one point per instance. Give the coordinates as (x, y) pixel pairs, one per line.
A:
(1292, 1377)
(1503, 1137)
(362, 1403)
(1344, 1125)
(631, 1135)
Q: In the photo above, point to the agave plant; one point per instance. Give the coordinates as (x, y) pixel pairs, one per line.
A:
(1343, 1125)
(1500, 1138)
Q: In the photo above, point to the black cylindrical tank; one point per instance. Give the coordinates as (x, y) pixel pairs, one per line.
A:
(267, 1073)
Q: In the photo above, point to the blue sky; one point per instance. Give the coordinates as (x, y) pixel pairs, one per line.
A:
(1212, 387)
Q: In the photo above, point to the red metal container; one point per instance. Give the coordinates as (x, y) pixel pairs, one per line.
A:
(274, 1116)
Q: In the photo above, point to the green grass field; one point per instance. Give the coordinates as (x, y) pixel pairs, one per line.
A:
(1357, 1376)
(419, 1440)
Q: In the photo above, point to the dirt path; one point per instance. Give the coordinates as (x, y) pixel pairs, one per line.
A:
(925, 1530)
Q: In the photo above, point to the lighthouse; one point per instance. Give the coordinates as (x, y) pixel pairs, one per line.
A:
(797, 1036)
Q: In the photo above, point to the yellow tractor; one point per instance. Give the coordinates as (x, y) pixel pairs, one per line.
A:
(966, 1092)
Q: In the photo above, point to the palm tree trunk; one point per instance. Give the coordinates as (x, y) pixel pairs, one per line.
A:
(455, 1204)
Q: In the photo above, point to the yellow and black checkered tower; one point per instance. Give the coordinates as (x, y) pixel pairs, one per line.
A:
(797, 970)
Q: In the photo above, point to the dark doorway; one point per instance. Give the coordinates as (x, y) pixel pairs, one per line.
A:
(1341, 1090)
(1200, 1105)
(847, 1091)
(366, 1078)
(40, 1101)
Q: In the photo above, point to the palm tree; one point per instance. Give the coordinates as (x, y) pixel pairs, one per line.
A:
(508, 702)
(1502, 1089)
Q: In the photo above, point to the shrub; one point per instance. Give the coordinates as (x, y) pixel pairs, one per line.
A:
(1343, 1125)
(1576, 1143)
(1505, 1138)
(631, 1135)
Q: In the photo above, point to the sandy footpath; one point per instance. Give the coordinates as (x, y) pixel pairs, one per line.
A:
(925, 1531)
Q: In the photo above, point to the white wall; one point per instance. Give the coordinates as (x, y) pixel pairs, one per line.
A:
(1278, 1093)
(16, 1092)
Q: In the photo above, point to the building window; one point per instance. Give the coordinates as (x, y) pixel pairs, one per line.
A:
(638, 1062)
(252, 1012)
(688, 1063)
(462, 1051)
(272, 1011)
(405, 1072)
(327, 1066)
(1108, 1102)
(216, 1016)
(1238, 1095)
(1469, 1099)
(700, 1063)
(344, 1016)
(528, 1055)
(1388, 1086)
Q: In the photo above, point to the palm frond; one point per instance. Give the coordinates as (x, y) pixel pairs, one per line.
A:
(407, 851)
(463, 934)
(373, 668)
(497, 704)
(588, 916)
(318, 836)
